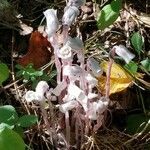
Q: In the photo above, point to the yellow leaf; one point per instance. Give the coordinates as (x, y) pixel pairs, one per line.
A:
(119, 79)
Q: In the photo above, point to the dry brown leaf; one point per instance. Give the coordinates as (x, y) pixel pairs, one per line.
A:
(38, 53)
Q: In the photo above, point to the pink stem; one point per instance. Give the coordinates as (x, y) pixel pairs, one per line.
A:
(99, 123)
(67, 127)
(78, 126)
(57, 62)
(111, 61)
(58, 67)
(86, 125)
(108, 78)
(77, 130)
(65, 33)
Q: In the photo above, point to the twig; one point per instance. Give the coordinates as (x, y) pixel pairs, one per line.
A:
(12, 70)
(11, 84)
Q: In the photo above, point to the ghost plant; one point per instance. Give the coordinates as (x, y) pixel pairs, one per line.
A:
(38, 96)
(125, 54)
(80, 105)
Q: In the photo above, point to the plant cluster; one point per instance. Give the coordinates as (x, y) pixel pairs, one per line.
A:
(81, 105)
(75, 108)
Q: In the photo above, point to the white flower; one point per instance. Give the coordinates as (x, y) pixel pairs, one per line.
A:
(30, 96)
(70, 14)
(68, 106)
(96, 109)
(75, 43)
(68, 97)
(92, 113)
(76, 3)
(92, 82)
(92, 95)
(72, 71)
(83, 100)
(78, 94)
(95, 67)
(124, 53)
(101, 106)
(65, 52)
(52, 21)
(75, 91)
(41, 88)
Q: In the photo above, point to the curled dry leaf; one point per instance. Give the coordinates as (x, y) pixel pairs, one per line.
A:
(38, 53)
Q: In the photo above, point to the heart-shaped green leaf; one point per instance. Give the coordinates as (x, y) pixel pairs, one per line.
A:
(27, 120)
(137, 42)
(10, 140)
(146, 64)
(109, 14)
(8, 115)
(132, 67)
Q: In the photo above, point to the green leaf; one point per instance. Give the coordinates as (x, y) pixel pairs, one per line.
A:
(30, 65)
(134, 123)
(146, 64)
(38, 73)
(34, 84)
(137, 42)
(8, 115)
(109, 14)
(132, 67)
(26, 76)
(33, 78)
(27, 120)
(3, 125)
(19, 130)
(10, 140)
(4, 73)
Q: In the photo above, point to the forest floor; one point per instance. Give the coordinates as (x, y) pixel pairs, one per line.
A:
(127, 125)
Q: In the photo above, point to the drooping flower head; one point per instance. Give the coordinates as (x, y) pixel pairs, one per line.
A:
(52, 21)
(124, 53)
(68, 106)
(79, 94)
(65, 52)
(70, 15)
(75, 43)
(96, 109)
(73, 71)
(94, 66)
(40, 90)
(76, 3)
